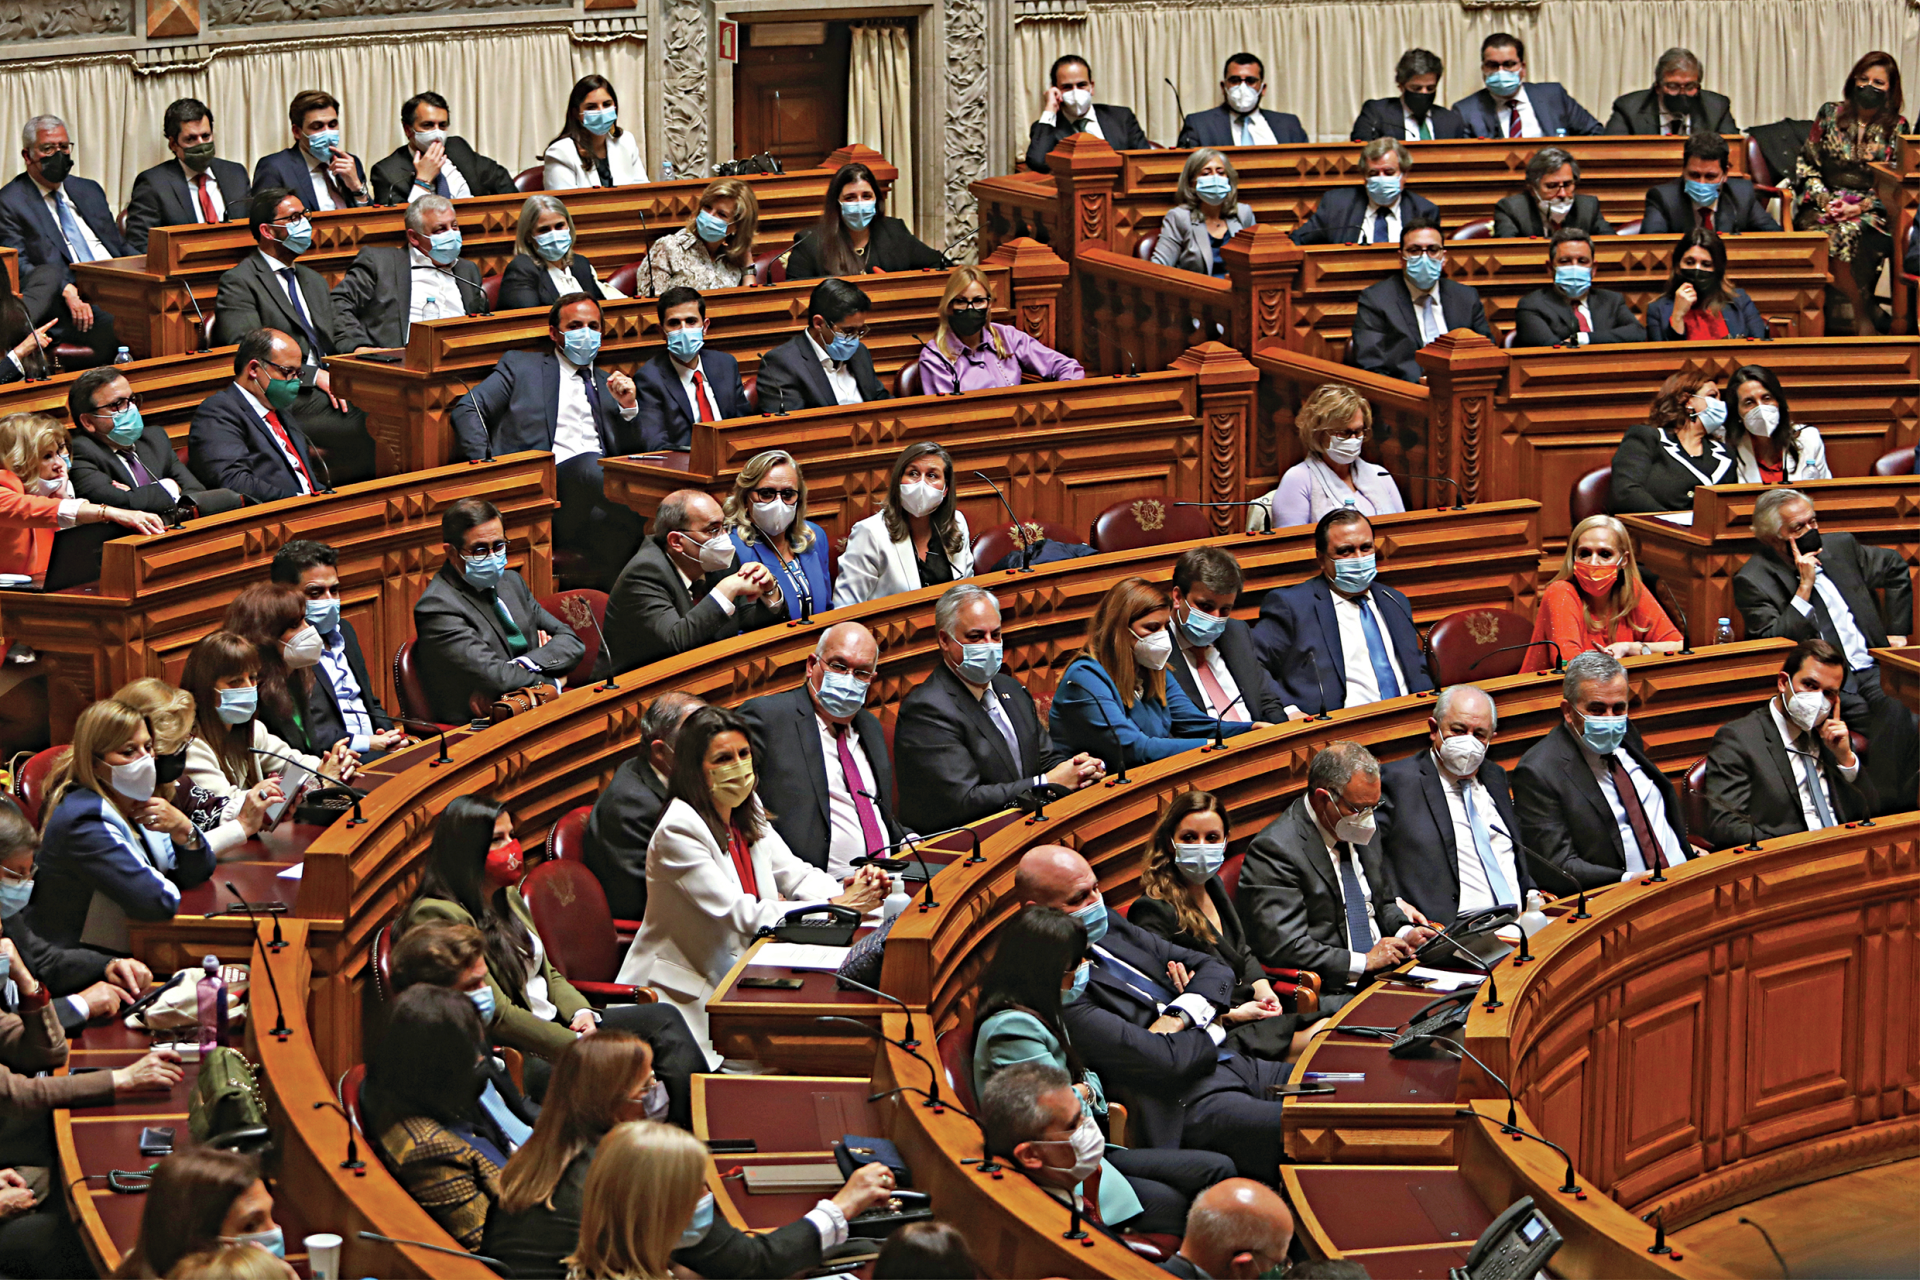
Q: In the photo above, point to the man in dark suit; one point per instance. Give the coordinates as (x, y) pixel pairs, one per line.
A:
(1315, 892)
(479, 630)
(317, 167)
(384, 291)
(343, 702)
(1551, 200)
(1412, 116)
(1571, 311)
(560, 400)
(1675, 105)
(1238, 1228)
(1238, 121)
(1213, 656)
(1510, 106)
(433, 161)
(143, 474)
(686, 383)
(1373, 212)
(1804, 583)
(1588, 795)
(47, 215)
(1446, 820)
(827, 364)
(960, 756)
(1705, 196)
(819, 749)
(614, 846)
(686, 587)
(1412, 307)
(194, 187)
(1069, 109)
(245, 437)
(270, 289)
(1788, 766)
(1343, 638)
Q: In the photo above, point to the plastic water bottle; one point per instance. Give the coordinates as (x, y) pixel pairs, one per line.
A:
(1533, 919)
(896, 900)
(1723, 632)
(123, 356)
(666, 171)
(213, 1005)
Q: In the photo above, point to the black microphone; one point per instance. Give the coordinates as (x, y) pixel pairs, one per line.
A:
(1764, 1235)
(1319, 679)
(1120, 750)
(1132, 372)
(280, 1030)
(1177, 104)
(353, 1162)
(1458, 505)
(449, 271)
(1513, 1107)
(606, 651)
(494, 1265)
(908, 1046)
(1571, 1186)
(779, 402)
(356, 820)
(1686, 631)
(1659, 1219)
(430, 727)
(913, 844)
(1261, 503)
(1493, 1000)
(946, 254)
(928, 346)
(1219, 742)
(326, 481)
(200, 327)
(911, 1042)
(1019, 534)
(279, 943)
(1509, 648)
(486, 428)
(1580, 913)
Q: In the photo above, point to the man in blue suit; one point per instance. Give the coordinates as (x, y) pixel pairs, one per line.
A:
(686, 383)
(245, 437)
(1341, 639)
(318, 161)
(49, 216)
(1415, 305)
(1238, 121)
(558, 400)
(1512, 107)
(1374, 212)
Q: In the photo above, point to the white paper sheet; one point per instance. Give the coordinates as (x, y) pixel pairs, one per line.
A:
(800, 955)
(1445, 980)
(292, 872)
(1676, 517)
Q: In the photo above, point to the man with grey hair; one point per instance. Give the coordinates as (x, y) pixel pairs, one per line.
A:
(386, 291)
(1446, 818)
(1412, 115)
(1236, 1229)
(1034, 1120)
(1315, 892)
(1372, 212)
(1550, 201)
(968, 741)
(822, 758)
(53, 220)
(1676, 105)
(686, 587)
(1588, 795)
(614, 845)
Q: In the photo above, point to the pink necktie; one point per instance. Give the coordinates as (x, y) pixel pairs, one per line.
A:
(869, 820)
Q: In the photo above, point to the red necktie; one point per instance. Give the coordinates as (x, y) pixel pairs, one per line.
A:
(1706, 219)
(870, 831)
(1651, 854)
(700, 397)
(1581, 316)
(206, 201)
(286, 442)
(1513, 124)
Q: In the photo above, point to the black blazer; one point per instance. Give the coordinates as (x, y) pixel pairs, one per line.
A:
(1386, 333)
(98, 468)
(1639, 112)
(666, 410)
(161, 197)
(1344, 212)
(1262, 696)
(1743, 319)
(791, 377)
(652, 615)
(1300, 617)
(373, 297)
(1565, 818)
(229, 447)
(289, 169)
(1387, 118)
(324, 722)
(525, 283)
(1753, 783)
(461, 645)
(1545, 318)
(1649, 474)
(518, 406)
(1763, 590)
(1739, 208)
(1555, 109)
(1117, 126)
(251, 297)
(890, 247)
(1293, 905)
(792, 769)
(1269, 1038)
(1518, 215)
(393, 175)
(618, 832)
(1214, 128)
(28, 227)
(1415, 832)
(952, 761)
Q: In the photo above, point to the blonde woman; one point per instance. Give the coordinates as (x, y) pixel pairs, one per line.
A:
(968, 352)
(1334, 425)
(1206, 214)
(1598, 601)
(917, 539)
(170, 718)
(645, 1197)
(766, 515)
(715, 249)
(545, 266)
(36, 494)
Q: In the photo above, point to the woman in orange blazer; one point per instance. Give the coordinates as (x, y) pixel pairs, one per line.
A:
(1599, 602)
(36, 498)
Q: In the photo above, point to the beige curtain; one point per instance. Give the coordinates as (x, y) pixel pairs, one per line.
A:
(506, 90)
(880, 104)
(1773, 58)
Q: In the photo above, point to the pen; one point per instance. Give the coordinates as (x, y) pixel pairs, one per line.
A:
(1333, 1075)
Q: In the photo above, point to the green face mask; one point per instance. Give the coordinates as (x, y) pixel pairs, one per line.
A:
(198, 156)
(282, 392)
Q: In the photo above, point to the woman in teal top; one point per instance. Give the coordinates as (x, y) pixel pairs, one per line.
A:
(1042, 960)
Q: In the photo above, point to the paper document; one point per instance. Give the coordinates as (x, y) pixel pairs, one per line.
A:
(291, 873)
(1676, 517)
(1445, 980)
(800, 955)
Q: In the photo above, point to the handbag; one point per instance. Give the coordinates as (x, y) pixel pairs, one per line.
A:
(226, 1097)
(513, 702)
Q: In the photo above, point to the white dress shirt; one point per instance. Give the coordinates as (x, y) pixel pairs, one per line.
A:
(1362, 686)
(1250, 130)
(1336, 850)
(321, 179)
(538, 1002)
(1795, 741)
(436, 291)
(839, 377)
(284, 446)
(1209, 657)
(710, 409)
(1529, 122)
(193, 193)
(1475, 893)
(346, 690)
(726, 606)
(1652, 803)
(845, 838)
(1852, 643)
(574, 431)
(457, 187)
(57, 196)
(1092, 118)
(1393, 222)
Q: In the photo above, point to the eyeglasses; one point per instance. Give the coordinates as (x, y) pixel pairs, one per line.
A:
(972, 304)
(859, 335)
(284, 370)
(1233, 80)
(1416, 251)
(479, 549)
(1357, 810)
(115, 406)
(1500, 64)
(788, 496)
(840, 668)
(1557, 188)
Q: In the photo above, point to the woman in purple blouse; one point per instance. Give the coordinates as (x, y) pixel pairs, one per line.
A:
(970, 350)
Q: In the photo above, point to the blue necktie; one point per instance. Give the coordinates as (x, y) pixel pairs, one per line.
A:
(1377, 651)
(1380, 235)
(1807, 766)
(1359, 928)
(70, 228)
(440, 187)
(1139, 983)
(1483, 843)
(292, 282)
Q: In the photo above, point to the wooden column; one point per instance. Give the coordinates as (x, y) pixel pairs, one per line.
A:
(1463, 371)
(1226, 383)
(1039, 278)
(1086, 171)
(1263, 262)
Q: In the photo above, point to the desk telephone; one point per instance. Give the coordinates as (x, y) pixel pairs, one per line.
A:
(1441, 1017)
(1516, 1247)
(824, 925)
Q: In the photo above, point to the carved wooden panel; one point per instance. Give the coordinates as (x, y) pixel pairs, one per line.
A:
(171, 19)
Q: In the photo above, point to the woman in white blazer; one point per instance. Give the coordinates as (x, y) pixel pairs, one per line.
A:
(592, 149)
(1768, 446)
(223, 675)
(916, 540)
(1206, 214)
(717, 871)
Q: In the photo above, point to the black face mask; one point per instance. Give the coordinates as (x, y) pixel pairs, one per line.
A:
(56, 167)
(169, 768)
(1868, 97)
(1418, 104)
(1808, 542)
(1675, 104)
(968, 322)
(1699, 277)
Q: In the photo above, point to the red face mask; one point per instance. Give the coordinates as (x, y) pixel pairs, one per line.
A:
(1596, 579)
(505, 864)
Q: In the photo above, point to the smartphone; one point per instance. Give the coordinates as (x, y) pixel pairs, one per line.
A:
(772, 984)
(156, 1141)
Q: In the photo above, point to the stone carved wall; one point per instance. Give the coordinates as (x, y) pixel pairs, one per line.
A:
(240, 13)
(59, 19)
(964, 144)
(683, 97)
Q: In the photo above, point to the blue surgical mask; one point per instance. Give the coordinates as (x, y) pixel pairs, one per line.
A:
(127, 427)
(599, 120)
(484, 572)
(298, 237)
(702, 1223)
(1713, 416)
(1081, 973)
(841, 349)
(1213, 188)
(1603, 734)
(1423, 271)
(1201, 629)
(1353, 575)
(714, 229)
(1503, 84)
(273, 1241)
(324, 144)
(483, 1001)
(238, 705)
(856, 213)
(444, 247)
(14, 896)
(553, 245)
(1383, 188)
(1573, 281)
(1094, 916)
(841, 695)
(324, 616)
(580, 345)
(685, 344)
(1702, 193)
(1196, 863)
(980, 663)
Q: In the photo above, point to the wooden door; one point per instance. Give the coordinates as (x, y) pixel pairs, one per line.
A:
(792, 99)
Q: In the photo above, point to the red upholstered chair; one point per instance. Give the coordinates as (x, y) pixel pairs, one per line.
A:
(1478, 229)
(1590, 493)
(407, 687)
(1144, 249)
(1693, 805)
(570, 911)
(1461, 646)
(1628, 228)
(206, 332)
(30, 784)
(348, 1093)
(72, 357)
(626, 278)
(1897, 463)
(771, 268)
(955, 1048)
(534, 179)
(1765, 180)
(380, 961)
(490, 285)
(566, 841)
(751, 381)
(995, 542)
(585, 610)
(1146, 522)
(1299, 987)
(907, 381)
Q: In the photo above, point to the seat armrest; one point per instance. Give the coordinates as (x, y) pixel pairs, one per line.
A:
(604, 993)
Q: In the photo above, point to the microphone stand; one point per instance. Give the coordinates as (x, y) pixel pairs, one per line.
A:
(1571, 1187)
(494, 1265)
(911, 1043)
(1019, 534)
(1120, 749)
(281, 1031)
(907, 1046)
(1261, 503)
(1581, 912)
(1458, 505)
(353, 1162)
(1509, 648)
(411, 723)
(356, 820)
(279, 943)
(1319, 679)
(1219, 742)
(485, 308)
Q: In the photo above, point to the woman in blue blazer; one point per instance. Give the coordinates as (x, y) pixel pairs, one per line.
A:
(766, 513)
(1116, 696)
(1709, 307)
